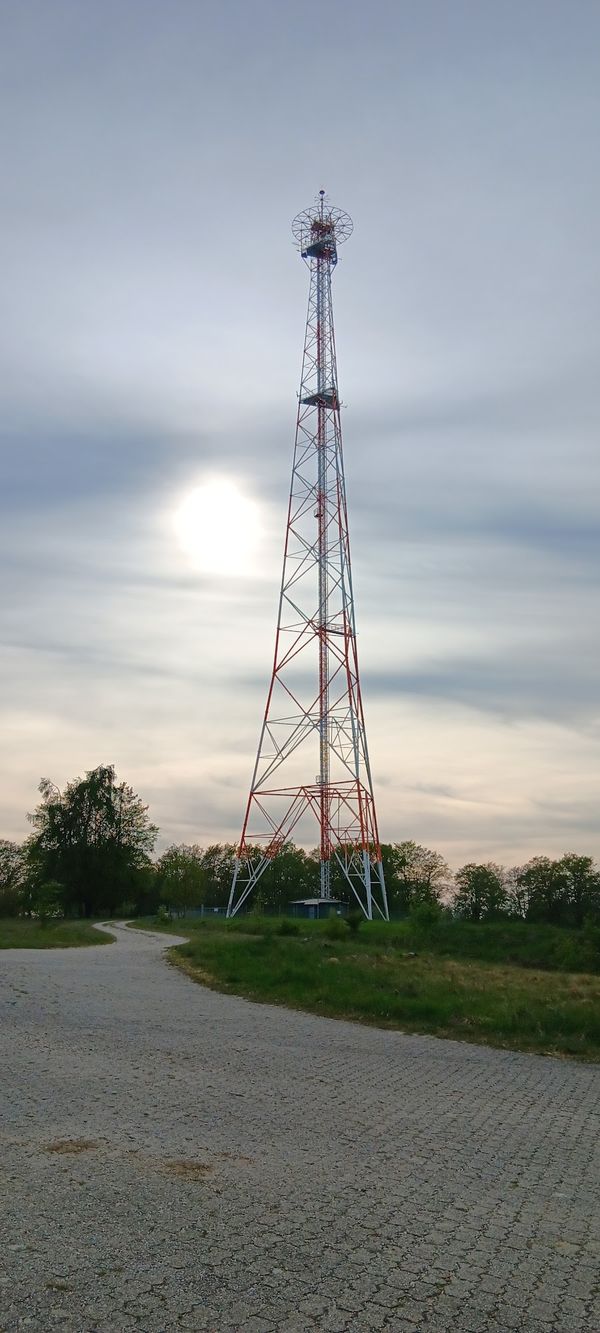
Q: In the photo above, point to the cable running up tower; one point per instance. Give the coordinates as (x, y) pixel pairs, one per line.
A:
(314, 696)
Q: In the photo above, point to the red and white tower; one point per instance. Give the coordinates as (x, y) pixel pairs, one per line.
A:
(314, 713)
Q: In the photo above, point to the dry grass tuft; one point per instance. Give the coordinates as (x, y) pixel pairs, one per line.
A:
(188, 1170)
(72, 1146)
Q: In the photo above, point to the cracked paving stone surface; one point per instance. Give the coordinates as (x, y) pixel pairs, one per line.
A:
(177, 1159)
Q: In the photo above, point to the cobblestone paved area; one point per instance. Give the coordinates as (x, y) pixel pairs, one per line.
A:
(176, 1159)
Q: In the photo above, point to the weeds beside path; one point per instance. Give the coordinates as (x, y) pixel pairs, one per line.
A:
(374, 978)
(21, 933)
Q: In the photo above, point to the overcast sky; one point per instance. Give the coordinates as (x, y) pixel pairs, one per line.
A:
(153, 156)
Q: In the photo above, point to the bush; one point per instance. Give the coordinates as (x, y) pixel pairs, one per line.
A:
(46, 901)
(163, 914)
(591, 944)
(354, 920)
(334, 928)
(424, 917)
(11, 900)
(287, 927)
(254, 923)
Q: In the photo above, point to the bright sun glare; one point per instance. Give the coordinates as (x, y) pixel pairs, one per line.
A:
(218, 528)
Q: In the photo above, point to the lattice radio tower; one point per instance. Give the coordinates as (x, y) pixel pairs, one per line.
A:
(314, 703)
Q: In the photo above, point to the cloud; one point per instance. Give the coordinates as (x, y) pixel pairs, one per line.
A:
(153, 160)
(554, 685)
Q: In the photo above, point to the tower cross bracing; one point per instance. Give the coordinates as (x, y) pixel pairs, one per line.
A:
(314, 713)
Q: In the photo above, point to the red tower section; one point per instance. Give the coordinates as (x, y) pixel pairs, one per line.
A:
(314, 713)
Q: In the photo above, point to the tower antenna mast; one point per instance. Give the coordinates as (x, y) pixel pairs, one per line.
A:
(314, 697)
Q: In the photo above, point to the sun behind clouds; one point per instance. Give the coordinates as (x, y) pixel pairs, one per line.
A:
(219, 528)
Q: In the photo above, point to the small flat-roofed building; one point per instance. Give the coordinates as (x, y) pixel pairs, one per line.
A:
(316, 908)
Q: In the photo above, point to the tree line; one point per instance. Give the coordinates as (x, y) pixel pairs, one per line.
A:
(91, 853)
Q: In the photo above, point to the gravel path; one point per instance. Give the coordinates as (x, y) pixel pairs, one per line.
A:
(176, 1159)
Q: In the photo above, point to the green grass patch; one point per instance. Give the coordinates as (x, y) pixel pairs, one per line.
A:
(21, 933)
(517, 943)
(371, 978)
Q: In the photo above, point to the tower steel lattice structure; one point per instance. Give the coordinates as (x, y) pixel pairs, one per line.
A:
(314, 699)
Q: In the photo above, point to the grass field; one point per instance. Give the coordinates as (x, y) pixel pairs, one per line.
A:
(18, 933)
(518, 943)
(387, 976)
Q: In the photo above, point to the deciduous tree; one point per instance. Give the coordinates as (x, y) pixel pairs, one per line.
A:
(181, 878)
(540, 889)
(480, 893)
(94, 838)
(563, 892)
(12, 876)
(293, 873)
(217, 864)
(413, 874)
(582, 882)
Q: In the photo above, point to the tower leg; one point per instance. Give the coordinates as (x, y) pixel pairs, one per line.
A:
(384, 902)
(236, 871)
(366, 860)
(246, 875)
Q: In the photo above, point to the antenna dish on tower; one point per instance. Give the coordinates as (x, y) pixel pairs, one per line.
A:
(319, 230)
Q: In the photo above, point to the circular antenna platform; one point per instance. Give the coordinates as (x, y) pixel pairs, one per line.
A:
(321, 223)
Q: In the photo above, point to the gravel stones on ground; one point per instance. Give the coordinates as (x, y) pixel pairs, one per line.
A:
(177, 1159)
